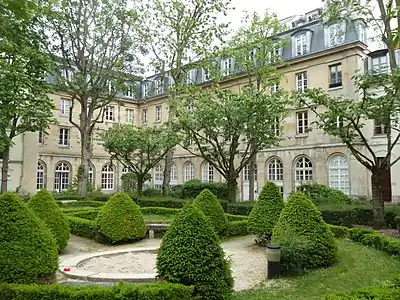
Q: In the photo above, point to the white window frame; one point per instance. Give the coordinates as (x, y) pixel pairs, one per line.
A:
(303, 170)
(188, 169)
(158, 174)
(41, 137)
(207, 172)
(302, 122)
(362, 32)
(145, 90)
(378, 66)
(379, 128)
(275, 170)
(274, 88)
(158, 113)
(129, 115)
(90, 178)
(206, 75)
(339, 177)
(301, 81)
(336, 80)
(158, 86)
(246, 173)
(40, 176)
(191, 76)
(336, 34)
(144, 116)
(129, 91)
(301, 44)
(107, 178)
(65, 105)
(64, 136)
(126, 170)
(109, 114)
(226, 66)
(174, 173)
(61, 176)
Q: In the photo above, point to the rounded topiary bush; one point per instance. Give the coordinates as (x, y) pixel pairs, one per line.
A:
(322, 194)
(190, 254)
(28, 250)
(301, 219)
(45, 207)
(208, 203)
(265, 213)
(120, 219)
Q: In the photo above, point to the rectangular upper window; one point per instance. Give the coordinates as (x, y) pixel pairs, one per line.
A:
(302, 44)
(144, 116)
(380, 128)
(380, 64)
(158, 112)
(158, 86)
(109, 113)
(129, 116)
(191, 77)
(226, 66)
(302, 122)
(65, 104)
(301, 81)
(63, 138)
(335, 75)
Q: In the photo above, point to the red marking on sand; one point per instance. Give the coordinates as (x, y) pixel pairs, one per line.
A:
(67, 269)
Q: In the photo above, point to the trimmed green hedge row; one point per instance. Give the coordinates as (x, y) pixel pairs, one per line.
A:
(82, 227)
(236, 228)
(80, 204)
(88, 214)
(155, 291)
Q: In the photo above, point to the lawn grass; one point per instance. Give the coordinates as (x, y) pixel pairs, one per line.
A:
(358, 267)
(158, 219)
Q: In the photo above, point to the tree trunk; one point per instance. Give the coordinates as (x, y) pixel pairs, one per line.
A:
(378, 208)
(140, 181)
(86, 154)
(167, 172)
(4, 169)
(252, 167)
(232, 189)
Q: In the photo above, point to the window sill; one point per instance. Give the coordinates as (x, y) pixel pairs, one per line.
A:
(157, 121)
(379, 136)
(63, 115)
(63, 146)
(301, 135)
(335, 88)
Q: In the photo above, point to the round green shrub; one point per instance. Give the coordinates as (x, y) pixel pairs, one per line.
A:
(120, 219)
(322, 194)
(212, 208)
(190, 254)
(265, 213)
(45, 207)
(28, 250)
(301, 218)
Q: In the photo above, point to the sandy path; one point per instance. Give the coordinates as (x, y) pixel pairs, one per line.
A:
(248, 260)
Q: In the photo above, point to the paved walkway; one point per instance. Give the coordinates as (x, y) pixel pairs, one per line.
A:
(248, 260)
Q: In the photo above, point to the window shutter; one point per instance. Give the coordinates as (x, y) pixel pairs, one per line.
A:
(326, 37)
(308, 36)
(293, 46)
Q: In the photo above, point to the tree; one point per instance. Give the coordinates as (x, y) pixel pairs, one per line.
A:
(384, 17)
(256, 50)
(96, 42)
(138, 148)
(346, 118)
(24, 104)
(180, 34)
(227, 127)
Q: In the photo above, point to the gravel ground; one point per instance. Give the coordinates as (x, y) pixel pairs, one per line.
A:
(247, 259)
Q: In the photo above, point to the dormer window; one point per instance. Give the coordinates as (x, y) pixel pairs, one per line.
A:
(145, 90)
(158, 86)
(362, 32)
(302, 43)
(206, 75)
(226, 66)
(335, 34)
(129, 91)
(191, 77)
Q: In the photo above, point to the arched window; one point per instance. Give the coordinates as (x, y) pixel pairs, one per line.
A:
(126, 170)
(90, 175)
(339, 173)
(107, 177)
(275, 170)
(158, 173)
(189, 171)
(62, 176)
(174, 173)
(246, 172)
(41, 175)
(303, 170)
(207, 172)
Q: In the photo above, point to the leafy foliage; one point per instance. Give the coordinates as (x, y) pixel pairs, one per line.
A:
(301, 219)
(190, 254)
(266, 211)
(120, 219)
(46, 208)
(322, 194)
(222, 122)
(28, 251)
(211, 207)
(138, 148)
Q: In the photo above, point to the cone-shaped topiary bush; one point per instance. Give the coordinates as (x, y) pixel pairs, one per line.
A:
(301, 219)
(45, 207)
(190, 254)
(120, 219)
(28, 250)
(208, 203)
(265, 213)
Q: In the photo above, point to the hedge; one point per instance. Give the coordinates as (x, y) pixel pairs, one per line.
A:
(320, 194)
(240, 208)
(230, 217)
(80, 204)
(192, 188)
(159, 211)
(154, 291)
(236, 228)
(82, 227)
(88, 214)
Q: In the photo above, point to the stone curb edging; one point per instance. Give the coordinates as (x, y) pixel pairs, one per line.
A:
(76, 273)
